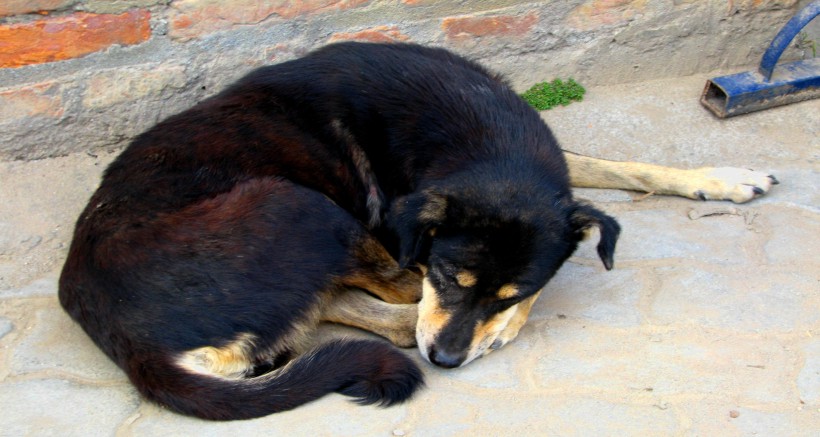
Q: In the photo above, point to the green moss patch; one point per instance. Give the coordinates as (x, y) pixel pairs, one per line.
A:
(547, 95)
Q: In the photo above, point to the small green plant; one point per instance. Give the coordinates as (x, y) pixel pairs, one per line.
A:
(804, 42)
(546, 95)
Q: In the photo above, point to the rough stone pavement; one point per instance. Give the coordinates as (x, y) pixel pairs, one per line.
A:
(709, 324)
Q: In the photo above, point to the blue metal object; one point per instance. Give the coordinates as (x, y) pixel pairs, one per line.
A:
(771, 85)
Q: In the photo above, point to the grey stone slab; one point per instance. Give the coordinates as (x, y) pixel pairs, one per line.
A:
(445, 408)
(797, 423)
(808, 381)
(798, 187)
(607, 297)
(332, 415)
(39, 287)
(8, 239)
(41, 201)
(709, 417)
(669, 233)
(675, 363)
(725, 417)
(56, 342)
(54, 407)
(612, 417)
(495, 370)
(560, 414)
(662, 122)
(795, 238)
(5, 326)
(754, 300)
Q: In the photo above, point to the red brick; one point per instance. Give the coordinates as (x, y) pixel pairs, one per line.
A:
(597, 13)
(34, 100)
(498, 25)
(375, 34)
(193, 18)
(73, 36)
(14, 7)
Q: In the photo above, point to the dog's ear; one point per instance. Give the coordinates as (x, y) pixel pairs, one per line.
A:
(412, 218)
(584, 216)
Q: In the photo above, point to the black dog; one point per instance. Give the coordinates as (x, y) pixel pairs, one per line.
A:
(223, 236)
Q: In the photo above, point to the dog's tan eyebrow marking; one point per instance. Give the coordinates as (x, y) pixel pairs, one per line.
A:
(507, 291)
(466, 279)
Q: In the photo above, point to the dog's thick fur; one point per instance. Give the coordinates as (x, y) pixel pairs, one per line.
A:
(221, 238)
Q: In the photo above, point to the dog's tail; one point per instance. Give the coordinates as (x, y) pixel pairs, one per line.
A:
(373, 372)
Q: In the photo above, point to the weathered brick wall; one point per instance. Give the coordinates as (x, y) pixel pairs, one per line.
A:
(81, 75)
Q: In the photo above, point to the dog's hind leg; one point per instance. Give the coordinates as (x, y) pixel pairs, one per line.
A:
(380, 274)
(396, 322)
(706, 183)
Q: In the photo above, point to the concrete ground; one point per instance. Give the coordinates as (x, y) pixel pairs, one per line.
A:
(708, 325)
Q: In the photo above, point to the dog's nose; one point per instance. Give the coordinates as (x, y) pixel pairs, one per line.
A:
(444, 359)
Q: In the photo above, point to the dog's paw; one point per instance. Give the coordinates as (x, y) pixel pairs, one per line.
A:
(507, 335)
(403, 338)
(729, 183)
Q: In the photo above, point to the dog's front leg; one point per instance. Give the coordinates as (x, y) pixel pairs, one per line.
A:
(516, 322)
(396, 322)
(725, 183)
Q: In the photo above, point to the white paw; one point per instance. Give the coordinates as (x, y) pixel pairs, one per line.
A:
(729, 183)
(507, 335)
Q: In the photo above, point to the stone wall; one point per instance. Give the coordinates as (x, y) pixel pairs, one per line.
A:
(87, 75)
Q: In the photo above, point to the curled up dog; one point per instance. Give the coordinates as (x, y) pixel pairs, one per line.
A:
(395, 188)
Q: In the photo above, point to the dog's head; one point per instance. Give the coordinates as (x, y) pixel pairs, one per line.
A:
(481, 255)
